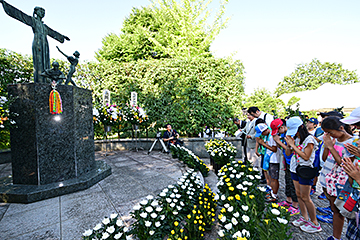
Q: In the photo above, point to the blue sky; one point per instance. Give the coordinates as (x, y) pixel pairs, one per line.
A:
(269, 37)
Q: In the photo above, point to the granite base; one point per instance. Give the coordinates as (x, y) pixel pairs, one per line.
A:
(19, 193)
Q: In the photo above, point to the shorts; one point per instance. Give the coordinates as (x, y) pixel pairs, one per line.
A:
(302, 181)
(274, 170)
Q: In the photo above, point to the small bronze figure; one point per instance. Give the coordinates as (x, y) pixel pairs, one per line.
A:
(54, 74)
(73, 62)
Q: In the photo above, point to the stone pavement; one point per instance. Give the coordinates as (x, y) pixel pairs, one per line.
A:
(134, 176)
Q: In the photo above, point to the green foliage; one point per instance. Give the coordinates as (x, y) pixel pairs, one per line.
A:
(166, 29)
(312, 75)
(14, 68)
(188, 93)
(265, 101)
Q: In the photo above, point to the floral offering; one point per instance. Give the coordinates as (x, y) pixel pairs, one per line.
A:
(221, 151)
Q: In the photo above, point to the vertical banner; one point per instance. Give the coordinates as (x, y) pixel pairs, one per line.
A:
(133, 99)
(106, 97)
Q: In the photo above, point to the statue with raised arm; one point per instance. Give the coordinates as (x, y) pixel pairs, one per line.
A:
(73, 62)
(54, 74)
(40, 46)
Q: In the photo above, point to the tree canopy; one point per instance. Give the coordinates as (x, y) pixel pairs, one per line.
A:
(165, 29)
(310, 76)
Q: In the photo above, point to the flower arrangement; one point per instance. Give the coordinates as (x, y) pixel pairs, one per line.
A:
(243, 213)
(109, 228)
(134, 114)
(221, 151)
(6, 122)
(189, 158)
(181, 211)
(108, 115)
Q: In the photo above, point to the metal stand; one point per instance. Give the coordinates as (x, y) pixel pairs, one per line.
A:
(106, 130)
(158, 138)
(136, 139)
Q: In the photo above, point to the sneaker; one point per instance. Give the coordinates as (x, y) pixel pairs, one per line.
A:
(331, 238)
(325, 218)
(326, 210)
(322, 196)
(310, 227)
(270, 199)
(300, 222)
(285, 204)
(312, 192)
(293, 211)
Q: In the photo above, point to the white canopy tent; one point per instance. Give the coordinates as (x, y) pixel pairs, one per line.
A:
(327, 96)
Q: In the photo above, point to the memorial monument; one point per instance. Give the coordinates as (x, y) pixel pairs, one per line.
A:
(52, 152)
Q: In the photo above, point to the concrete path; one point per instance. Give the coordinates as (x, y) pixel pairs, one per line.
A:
(134, 176)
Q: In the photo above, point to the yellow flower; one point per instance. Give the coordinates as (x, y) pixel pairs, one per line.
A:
(274, 205)
(237, 196)
(227, 180)
(229, 184)
(181, 230)
(250, 169)
(200, 228)
(220, 216)
(283, 207)
(189, 216)
(197, 217)
(225, 169)
(195, 222)
(240, 162)
(242, 166)
(251, 196)
(244, 193)
(200, 202)
(223, 210)
(172, 232)
(185, 237)
(267, 221)
(230, 198)
(231, 188)
(193, 211)
(176, 223)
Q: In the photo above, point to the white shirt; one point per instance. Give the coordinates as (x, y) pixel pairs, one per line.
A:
(268, 119)
(271, 142)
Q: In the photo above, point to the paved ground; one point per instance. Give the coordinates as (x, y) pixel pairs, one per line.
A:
(135, 175)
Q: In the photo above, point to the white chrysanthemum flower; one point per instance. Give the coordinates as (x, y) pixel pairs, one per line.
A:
(226, 205)
(114, 215)
(172, 205)
(87, 233)
(119, 222)
(110, 229)
(162, 194)
(157, 224)
(245, 208)
(153, 215)
(155, 203)
(230, 209)
(175, 213)
(118, 235)
(232, 176)
(275, 211)
(245, 218)
(147, 223)
(223, 219)
(257, 176)
(97, 227)
(281, 220)
(228, 226)
(151, 232)
(143, 214)
(237, 214)
(143, 202)
(221, 233)
(168, 200)
(237, 235)
(262, 189)
(149, 209)
(105, 235)
(234, 221)
(245, 233)
(250, 177)
(216, 197)
(162, 217)
(106, 221)
(158, 209)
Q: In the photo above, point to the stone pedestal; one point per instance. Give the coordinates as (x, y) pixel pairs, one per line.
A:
(49, 149)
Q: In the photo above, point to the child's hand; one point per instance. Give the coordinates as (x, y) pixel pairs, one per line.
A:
(328, 143)
(352, 149)
(290, 141)
(352, 170)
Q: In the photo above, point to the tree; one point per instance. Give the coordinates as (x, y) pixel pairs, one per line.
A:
(312, 75)
(266, 102)
(166, 29)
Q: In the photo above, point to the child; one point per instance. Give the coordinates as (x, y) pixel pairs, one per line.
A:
(270, 155)
(333, 153)
(311, 125)
(303, 146)
(278, 127)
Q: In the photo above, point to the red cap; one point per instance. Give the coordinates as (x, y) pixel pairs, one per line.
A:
(274, 125)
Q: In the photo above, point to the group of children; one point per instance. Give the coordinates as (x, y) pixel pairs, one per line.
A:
(310, 153)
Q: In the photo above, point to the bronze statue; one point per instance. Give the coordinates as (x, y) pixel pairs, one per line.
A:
(54, 74)
(73, 62)
(40, 46)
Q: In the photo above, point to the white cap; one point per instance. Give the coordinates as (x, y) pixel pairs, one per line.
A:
(353, 118)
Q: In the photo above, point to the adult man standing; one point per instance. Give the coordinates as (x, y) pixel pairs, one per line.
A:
(256, 113)
(251, 142)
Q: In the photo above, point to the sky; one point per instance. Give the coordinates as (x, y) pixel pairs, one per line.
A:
(270, 37)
